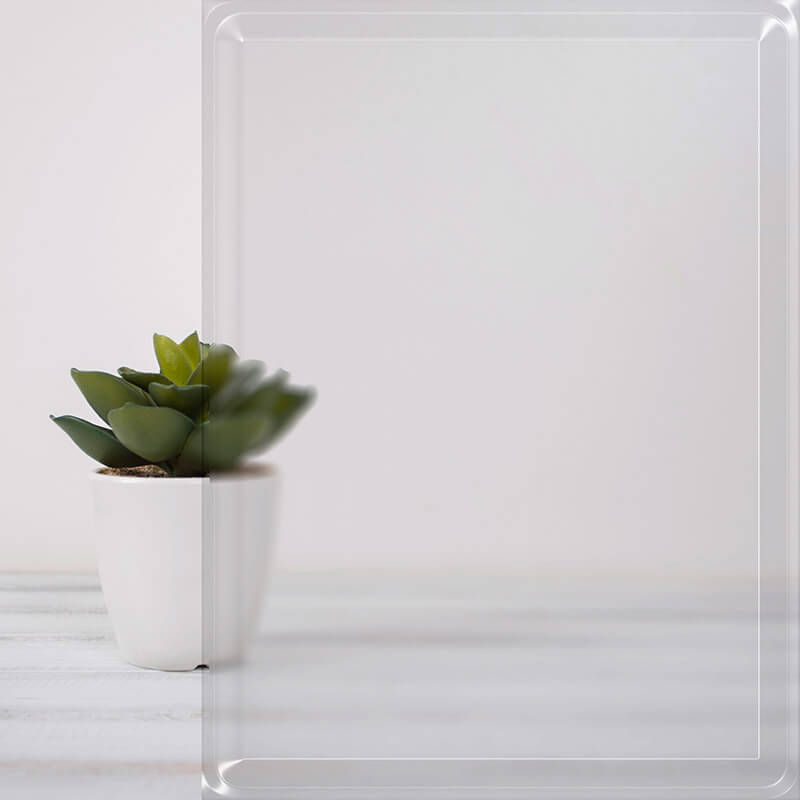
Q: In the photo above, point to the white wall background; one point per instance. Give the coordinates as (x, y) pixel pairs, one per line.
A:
(99, 235)
(529, 305)
(100, 246)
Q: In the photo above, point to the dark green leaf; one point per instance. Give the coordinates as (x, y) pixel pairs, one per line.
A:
(99, 443)
(215, 369)
(172, 361)
(141, 379)
(239, 386)
(220, 443)
(265, 397)
(104, 392)
(154, 433)
(285, 409)
(188, 400)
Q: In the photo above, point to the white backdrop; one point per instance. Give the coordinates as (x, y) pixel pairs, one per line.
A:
(530, 305)
(100, 246)
(99, 234)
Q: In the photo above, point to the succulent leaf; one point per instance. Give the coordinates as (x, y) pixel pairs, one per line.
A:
(205, 410)
(219, 443)
(239, 386)
(141, 379)
(155, 433)
(284, 410)
(191, 347)
(105, 392)
(188, 400)
(97, 442)
(264, 398)
(215, 369)
(172, 360)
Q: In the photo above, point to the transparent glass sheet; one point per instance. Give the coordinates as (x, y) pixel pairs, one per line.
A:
(537, 537)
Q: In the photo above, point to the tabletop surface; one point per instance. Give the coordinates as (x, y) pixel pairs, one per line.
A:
(78, 722)
(424, 669)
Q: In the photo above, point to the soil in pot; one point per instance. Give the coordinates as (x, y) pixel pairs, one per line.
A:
(145, 471)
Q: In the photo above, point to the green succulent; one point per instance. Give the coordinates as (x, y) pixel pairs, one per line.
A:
(204, 410)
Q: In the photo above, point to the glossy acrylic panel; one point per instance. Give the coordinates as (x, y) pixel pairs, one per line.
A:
(538, 535)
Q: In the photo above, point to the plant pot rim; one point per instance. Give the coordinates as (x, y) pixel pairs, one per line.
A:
(248, 472)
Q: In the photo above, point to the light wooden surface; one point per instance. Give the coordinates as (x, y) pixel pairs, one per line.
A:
(440, 679)
(77, 722)
(471, 666)
(422, 669)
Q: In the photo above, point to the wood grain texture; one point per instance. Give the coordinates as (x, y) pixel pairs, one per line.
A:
(351, 667)
(75, 720)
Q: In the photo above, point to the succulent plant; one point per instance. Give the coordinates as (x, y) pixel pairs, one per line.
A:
(204, 410)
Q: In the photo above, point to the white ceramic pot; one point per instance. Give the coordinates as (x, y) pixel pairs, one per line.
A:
(149, 534)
